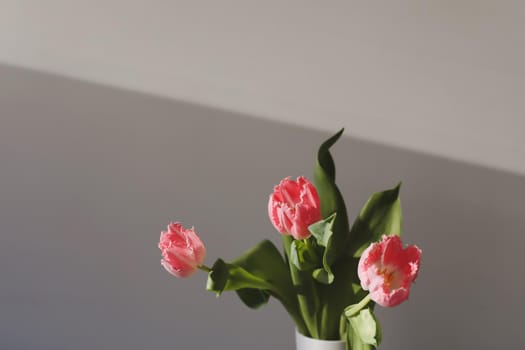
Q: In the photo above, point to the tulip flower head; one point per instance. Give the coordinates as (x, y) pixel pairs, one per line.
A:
(293, 206)
(182, 250)
(387, 270)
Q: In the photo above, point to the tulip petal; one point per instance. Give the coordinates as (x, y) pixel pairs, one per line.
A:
(387, 270)
(182, 250)
(293, 206)
(177, 267)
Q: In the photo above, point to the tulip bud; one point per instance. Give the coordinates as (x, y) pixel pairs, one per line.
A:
(293, 206)
(387, 270)
(182, 250)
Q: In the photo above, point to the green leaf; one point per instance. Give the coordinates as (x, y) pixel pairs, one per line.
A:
(380, 215)
(256, 275)
(304, 255)
(363, 331)
(331, 203)
(323, 275)
(338, 293)
(322, 231)
(224, 276)
(262, 267)
(253, 298)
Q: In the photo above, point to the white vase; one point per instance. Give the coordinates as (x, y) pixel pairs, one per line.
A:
(306, 343)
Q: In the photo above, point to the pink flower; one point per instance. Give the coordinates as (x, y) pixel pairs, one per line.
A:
(387, 270)
(293, 206)
(182, 250)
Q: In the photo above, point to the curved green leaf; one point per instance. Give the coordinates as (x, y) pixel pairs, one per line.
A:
(362, 330)
(380, 215)
(323, 233)
(331, 200)
(224, 276)
(262, 267)
(255, 275)
(253, 298)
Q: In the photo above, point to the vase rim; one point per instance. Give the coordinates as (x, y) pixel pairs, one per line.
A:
(299, 334)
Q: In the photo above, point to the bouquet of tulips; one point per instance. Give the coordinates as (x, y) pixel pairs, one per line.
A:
(332, 274)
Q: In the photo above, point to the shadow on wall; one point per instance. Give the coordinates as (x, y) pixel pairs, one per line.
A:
(90, 175)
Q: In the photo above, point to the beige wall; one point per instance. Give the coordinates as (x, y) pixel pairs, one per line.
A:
(444, 77)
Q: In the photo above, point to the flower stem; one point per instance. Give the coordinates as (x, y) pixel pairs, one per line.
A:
(354, 309)
(364, 301)
(306, 295)
(204, 268)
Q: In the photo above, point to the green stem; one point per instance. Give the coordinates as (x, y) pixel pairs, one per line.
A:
(307, 295)
(359, 306)
(293, 310)
(204, 268)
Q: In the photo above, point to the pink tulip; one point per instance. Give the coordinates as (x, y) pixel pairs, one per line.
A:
(293, 206)
(387, 270)
(182, 250)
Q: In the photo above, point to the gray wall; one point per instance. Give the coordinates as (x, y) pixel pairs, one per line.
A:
(443, 77)
(90, 175)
